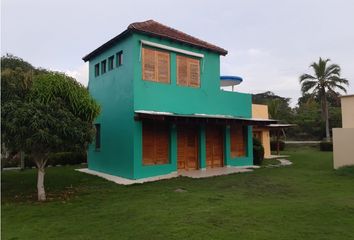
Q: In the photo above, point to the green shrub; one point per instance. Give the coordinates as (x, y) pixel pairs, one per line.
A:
(66, 158)
(62, 158)
(273, 145)
(12, 161)
(326, 146)
(258, 152)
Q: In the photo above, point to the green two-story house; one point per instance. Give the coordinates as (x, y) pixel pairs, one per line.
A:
(162, 107)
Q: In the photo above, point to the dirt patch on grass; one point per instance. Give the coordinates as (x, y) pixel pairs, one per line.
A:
(64, 195)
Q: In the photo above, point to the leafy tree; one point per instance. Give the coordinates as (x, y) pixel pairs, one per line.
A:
(309, 124)
(333, 99)
(50, 112)
(323, 84)
(12, 62)
(278, 107)
(263, 98)
(16, 78)
(274, 106)
(335, 114)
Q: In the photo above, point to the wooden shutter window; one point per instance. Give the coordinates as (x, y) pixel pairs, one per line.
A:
(148, 144)
(163, 67)
(156, 65)
(149, 68)
(162, 139)
(238, 141)
(194, 72)
(182, 71)
(188, 71)
(156, 139)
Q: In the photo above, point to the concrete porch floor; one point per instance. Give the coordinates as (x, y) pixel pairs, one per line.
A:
(211, 172)
(202, 173)
(276, 156)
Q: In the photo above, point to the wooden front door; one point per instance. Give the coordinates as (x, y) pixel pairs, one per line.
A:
(214, 146)
(156, 143)
(187, 147)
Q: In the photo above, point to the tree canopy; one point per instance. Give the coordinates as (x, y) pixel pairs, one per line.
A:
(278, 107)
(12, 62)
(44, 112)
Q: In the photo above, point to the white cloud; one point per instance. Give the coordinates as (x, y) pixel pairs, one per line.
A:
(80, 73)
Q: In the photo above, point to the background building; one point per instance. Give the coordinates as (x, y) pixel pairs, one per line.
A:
(343, 138)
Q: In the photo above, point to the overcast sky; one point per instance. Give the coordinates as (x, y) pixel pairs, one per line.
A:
(270, 43)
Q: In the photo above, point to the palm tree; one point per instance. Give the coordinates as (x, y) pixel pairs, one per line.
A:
(322, 84)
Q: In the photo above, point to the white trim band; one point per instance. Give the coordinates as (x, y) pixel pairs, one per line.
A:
(157, 45)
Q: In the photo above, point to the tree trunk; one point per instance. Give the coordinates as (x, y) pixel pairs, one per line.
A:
(22, 160)
(40, 185)
(328, 136)
(325, 117)
(40, 179)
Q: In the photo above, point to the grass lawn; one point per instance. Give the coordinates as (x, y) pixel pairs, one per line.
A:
(307, 200)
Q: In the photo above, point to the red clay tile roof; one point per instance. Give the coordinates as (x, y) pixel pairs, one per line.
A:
(157, 29)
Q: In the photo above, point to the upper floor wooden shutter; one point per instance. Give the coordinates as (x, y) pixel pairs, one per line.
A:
(155, 65)
(194, 72)
(188, 71)
(149, 67)
(182, 71)
(163, 67)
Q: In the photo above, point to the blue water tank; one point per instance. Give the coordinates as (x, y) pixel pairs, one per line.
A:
(230, 80)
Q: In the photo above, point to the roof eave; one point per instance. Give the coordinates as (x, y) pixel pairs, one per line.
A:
(140, 114)
(222, 52)
(106, 45)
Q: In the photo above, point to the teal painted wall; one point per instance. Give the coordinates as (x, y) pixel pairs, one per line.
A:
(114, 92)
(208, 99)
(202, 148)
